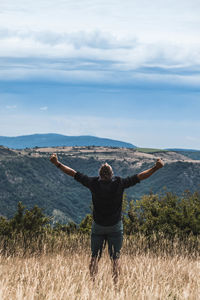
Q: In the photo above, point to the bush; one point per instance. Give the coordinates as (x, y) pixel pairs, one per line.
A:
(167, 214)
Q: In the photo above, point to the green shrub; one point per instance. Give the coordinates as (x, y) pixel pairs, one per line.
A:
(167, 213)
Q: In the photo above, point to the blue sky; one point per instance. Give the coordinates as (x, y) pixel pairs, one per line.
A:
(122, 70)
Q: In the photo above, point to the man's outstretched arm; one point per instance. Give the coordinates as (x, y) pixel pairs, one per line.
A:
(65, 169)
(147, 173)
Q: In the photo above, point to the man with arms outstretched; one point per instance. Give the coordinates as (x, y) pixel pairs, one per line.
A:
(107, 195)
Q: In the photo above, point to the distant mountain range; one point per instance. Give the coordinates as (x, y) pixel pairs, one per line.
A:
(55, 140)
(59, 140)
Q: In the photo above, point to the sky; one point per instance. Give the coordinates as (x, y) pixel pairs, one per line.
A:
(127, 70)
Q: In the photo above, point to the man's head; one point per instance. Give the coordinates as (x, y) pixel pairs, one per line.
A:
(106, 172)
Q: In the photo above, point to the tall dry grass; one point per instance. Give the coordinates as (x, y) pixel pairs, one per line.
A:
(149, 270)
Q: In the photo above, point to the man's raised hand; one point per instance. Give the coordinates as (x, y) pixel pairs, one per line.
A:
(69, 171)
(54, 159)
(159, 163)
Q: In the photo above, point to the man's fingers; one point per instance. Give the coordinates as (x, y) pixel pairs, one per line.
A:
(160, 163)
(53, 157)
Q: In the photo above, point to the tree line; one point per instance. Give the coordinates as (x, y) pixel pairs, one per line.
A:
(166, 213)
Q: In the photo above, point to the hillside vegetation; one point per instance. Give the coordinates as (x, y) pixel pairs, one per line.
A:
(157, 262)
(159, 259)
(28, 176)
(191, 154)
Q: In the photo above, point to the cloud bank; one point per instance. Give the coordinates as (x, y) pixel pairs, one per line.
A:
(88, 41)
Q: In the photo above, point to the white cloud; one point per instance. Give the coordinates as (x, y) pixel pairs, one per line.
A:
(96, 57)
(139, 16)
(79, 39)
(11, 106)
(44, 108)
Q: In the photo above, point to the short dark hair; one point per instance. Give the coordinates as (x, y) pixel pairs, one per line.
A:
(106, 171)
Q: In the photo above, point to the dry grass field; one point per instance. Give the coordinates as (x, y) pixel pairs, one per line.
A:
(64, 275)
